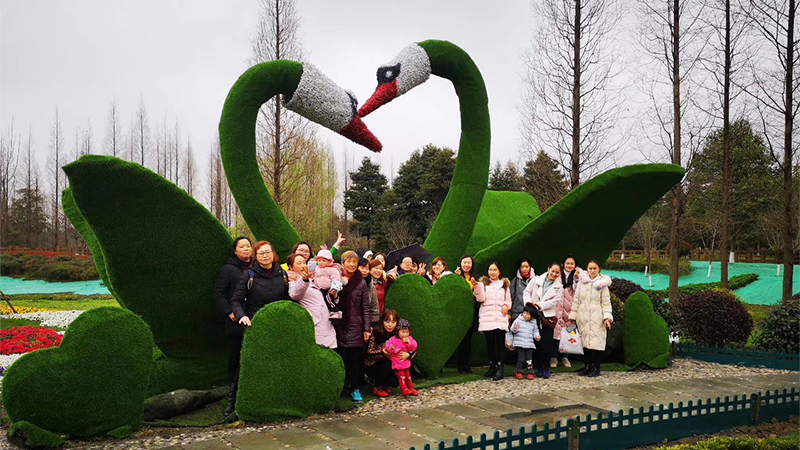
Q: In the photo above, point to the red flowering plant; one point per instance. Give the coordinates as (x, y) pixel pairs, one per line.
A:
(27, 339)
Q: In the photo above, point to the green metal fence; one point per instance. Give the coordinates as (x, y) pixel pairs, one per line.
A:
(642, 427)
(749, 358)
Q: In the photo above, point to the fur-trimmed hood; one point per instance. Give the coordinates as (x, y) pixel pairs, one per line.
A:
(487, 281)
(599, 283)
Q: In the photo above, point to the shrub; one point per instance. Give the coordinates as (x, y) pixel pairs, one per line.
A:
(637, 264)
(734, 283)
(780, 330)
(623, 288)
(714, 318)
(740, 443)
(60, 268)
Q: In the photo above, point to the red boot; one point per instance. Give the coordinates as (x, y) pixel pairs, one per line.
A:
(410, 385)
(403, 388)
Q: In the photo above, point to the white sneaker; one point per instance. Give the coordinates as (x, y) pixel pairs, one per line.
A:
(565, 363)
(553, 362)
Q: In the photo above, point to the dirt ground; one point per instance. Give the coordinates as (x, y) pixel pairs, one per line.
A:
(761, 431)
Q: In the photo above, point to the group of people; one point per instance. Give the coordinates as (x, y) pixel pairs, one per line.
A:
(346, 303)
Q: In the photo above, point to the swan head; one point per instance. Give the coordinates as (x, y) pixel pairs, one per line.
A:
(410, 68)
(320, 100)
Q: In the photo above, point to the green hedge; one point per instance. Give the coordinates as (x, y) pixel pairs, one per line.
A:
(780, 330)
(637, 264)
(34, 267)
(740, 443)
(284, 373)
(737, 282)
(93, 383)
(161, 251)
(646, 335)
(716, 318)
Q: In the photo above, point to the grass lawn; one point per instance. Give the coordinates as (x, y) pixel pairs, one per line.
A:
(11, 323)
(63, 302)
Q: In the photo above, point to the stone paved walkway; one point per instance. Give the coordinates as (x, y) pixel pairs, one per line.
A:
(395, 430)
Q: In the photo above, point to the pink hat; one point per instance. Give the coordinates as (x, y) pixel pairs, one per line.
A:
(326, 254)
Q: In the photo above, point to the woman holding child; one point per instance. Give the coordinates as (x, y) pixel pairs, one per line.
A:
(304, 291)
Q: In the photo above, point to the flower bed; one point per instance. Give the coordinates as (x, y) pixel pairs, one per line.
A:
(27, 339)
(5, 309)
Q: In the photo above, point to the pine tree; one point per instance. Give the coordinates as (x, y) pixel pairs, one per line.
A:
(544, 181)
(363, 197)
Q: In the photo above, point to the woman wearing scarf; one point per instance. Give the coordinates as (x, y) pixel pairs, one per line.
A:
(570, 274)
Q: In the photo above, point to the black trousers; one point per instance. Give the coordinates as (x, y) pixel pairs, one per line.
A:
(523, 356)
(234, 334)
(544, 348)
(496, 345)
(353, 358)
(382, 374)
(592, 356)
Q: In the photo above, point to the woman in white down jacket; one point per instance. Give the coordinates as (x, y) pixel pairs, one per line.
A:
(591, 310)
(545, 291)
(495, 299)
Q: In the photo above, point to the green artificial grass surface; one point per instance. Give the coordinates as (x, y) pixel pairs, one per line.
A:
(134, 216)
(94, 382)
(237, 139)
(284, 373)
(440, 316)
(208, 415)
(66, 305)
(646, 335)
(613, 200)
(28, 435)
(454, 225)
(501, 215)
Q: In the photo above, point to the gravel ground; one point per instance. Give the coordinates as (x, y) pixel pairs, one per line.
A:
(429, 398)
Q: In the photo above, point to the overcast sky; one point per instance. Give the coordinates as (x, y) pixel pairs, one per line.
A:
(183, 56)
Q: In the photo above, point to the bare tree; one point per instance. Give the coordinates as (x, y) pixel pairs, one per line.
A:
(175, 154)
(671, 36)
(113, 140)
(141, 134)
(9, 160)
(191, 169)
(56, 175)
(727, 55)
(277, 128)
(571, 105)
(773, 89)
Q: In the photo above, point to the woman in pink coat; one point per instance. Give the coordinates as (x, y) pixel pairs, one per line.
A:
(569, 280)
(303, 290)
(494, 296)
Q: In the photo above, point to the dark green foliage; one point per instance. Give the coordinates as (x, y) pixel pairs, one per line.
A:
(93, 383)
(737, 282)
(780, 330)
(544, 180)
(27, 220)
(740, 443)
(638, 263)
(666, 311)
(506, 179)
(639, 185)
(121, 432)
(440, 316)
(162, 251)
(501, 215)
(715, 318)
(623, 288)
(35, 267)
(421, 185)
(614, 338)
(284, 373)
(453, 227)
(364, 197)
(646, 336)
(28, 435)
(237, 140)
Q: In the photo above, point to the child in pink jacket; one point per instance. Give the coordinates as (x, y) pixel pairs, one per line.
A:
(402, 342)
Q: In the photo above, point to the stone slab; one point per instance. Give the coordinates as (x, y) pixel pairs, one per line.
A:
(378, 428)
(465, 410)
(525, 403)
(366, 443)
(552, 399)
(638, 394)
(297, 437)
(337, 430)
(435, 432)
(333, 445)
(497, 407)
(465, 426)
(254, 441)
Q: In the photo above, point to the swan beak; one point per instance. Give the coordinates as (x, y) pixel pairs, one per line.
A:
(385, 93)
(358, 132)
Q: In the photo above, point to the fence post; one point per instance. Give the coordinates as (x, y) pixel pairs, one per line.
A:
(573, 435)
(755, 405)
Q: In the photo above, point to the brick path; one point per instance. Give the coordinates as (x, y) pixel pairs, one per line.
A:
(415, 428)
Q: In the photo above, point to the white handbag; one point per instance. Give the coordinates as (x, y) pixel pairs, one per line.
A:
(570, 341)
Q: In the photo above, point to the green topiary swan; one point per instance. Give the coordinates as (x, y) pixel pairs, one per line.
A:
(589, 222)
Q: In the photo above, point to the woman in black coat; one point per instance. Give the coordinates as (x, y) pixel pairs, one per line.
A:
(227, 280)
(353, 330)
(263, 283)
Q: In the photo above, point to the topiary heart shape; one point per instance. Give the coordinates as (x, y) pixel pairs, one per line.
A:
(646, 335)
(93, 383)
(440, 316)
(284, 373)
